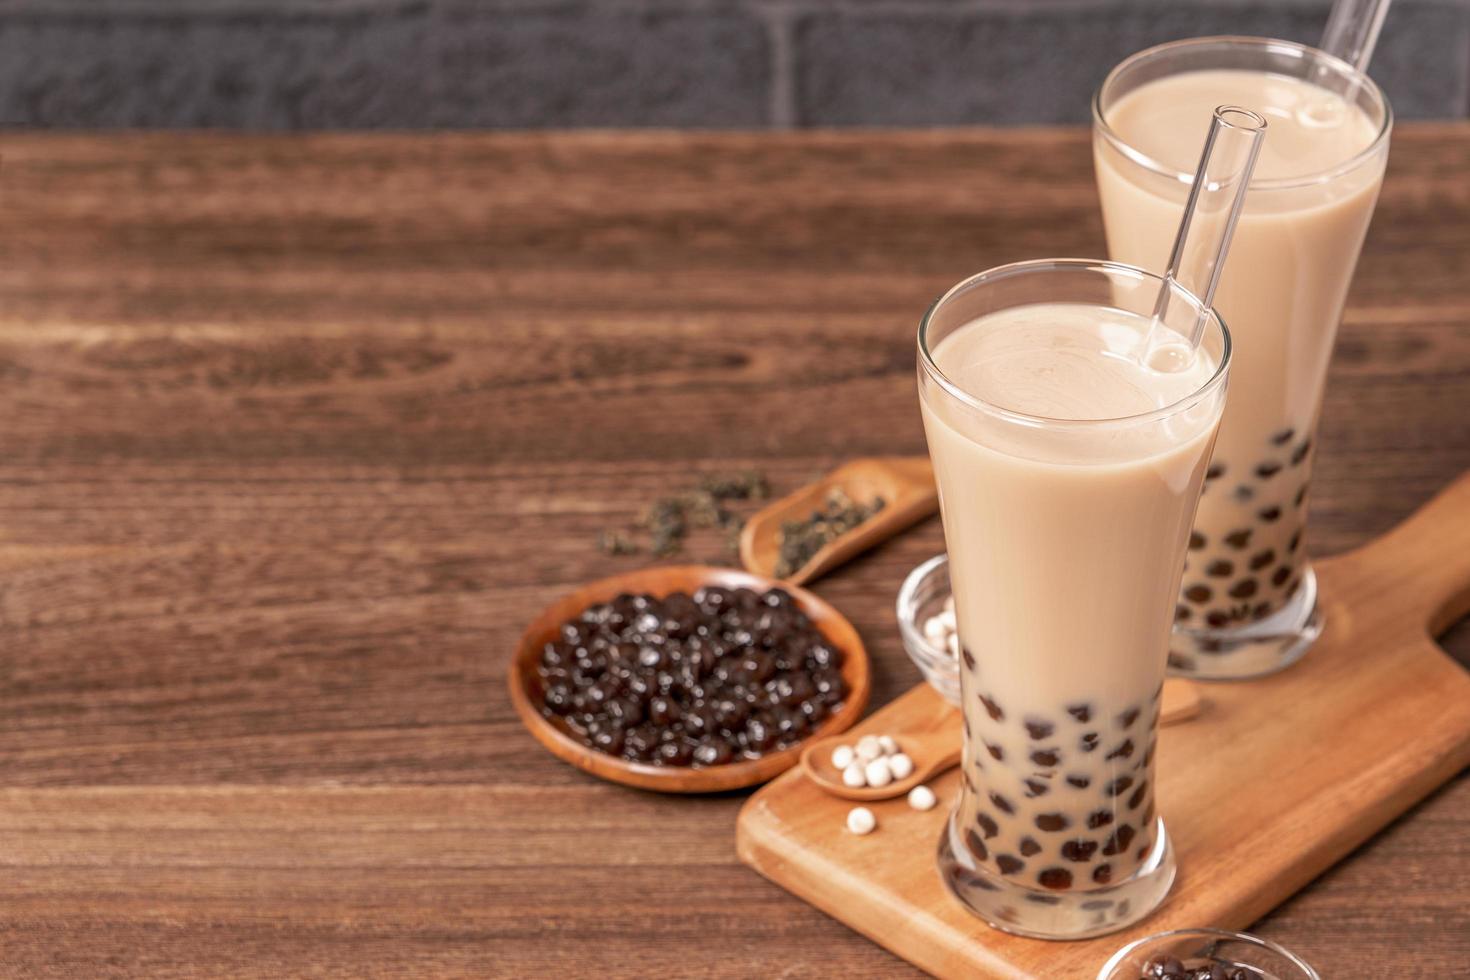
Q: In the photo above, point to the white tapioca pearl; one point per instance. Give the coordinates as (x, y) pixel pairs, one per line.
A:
(842, 756)
(900, 765)
(878, 773)
(888, 745)
(869, 748)
(860, 820)
(853, 775)
(922, 798)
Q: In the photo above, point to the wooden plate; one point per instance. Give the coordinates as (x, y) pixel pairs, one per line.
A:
(525, 683)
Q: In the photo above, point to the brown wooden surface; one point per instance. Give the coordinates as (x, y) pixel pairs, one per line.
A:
(1273, 783)
(300, 433)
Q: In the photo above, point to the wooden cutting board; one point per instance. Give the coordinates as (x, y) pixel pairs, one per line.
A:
(1272, 783)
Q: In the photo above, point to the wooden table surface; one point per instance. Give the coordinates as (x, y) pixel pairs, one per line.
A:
(299, 432)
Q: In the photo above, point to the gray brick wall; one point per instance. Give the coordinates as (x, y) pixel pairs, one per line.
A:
(412, 64)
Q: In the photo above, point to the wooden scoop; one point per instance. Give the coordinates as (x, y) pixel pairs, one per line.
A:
(906, 484)
(935, 751)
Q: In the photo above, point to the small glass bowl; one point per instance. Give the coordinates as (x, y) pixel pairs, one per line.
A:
(922, 596)
(1229, 949)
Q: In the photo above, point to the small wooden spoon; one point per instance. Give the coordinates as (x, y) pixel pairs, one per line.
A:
(935, 751)
(932, 752)
(906, 484)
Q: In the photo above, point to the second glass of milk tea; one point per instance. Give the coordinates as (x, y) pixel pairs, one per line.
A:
(1247, 603)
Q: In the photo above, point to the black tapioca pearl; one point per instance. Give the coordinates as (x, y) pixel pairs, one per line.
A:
(1199, 593)
(1043, 899)
(1301, 496)
(1123, 751)
(987, 823)
(1081, 782)
(1268, 469)
(996, 752)
(1143, 851)
(1292, 586)
(1244, 493)
(1138, 795)
(1029, 847)
(1148, 756)
(976, 845)
(1220, 568)
(1001, 803)
(1052, 822)
(1035, 788)
(1079, 851)
(1009, 864)
(1099, 818)
(969, 658)
(1097, 904)
(1239, 540)
(1243, 589)
(1217, 619)
(1197, 541)
(1262, 559)
(1057, 879)
(1039, 730)
(1182, 613)
(1295, 542)
(1118, 786)
(992, 709)
(1102, 874)
(1127, 718)
(1088, 741)
(1180, 662)
(1283, 437)
(1215, 471)
(1300, 453)
(1082, 712)
(1119, 840)
(1260, 610)
(1046, 758)
(1279, 577)
(1269, 514)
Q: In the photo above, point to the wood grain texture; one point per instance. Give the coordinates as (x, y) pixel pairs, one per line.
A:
(1275, 781)
(301, 432)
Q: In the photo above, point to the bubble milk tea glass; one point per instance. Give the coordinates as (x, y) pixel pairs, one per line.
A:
(1247, 603)
(1068, 476)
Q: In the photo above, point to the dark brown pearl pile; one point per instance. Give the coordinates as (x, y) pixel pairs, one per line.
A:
(1172, 968)
(686, 680)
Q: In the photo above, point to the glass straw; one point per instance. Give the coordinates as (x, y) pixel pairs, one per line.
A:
(1352, 30)
(1215, 200)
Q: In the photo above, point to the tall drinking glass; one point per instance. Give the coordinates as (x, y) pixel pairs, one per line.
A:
(1068, 476)
(1248, 599)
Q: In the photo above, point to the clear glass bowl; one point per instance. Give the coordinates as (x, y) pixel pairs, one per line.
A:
(922, 596)
(1206, 947)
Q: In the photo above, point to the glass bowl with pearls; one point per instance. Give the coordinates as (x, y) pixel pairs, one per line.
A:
(926, 621)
